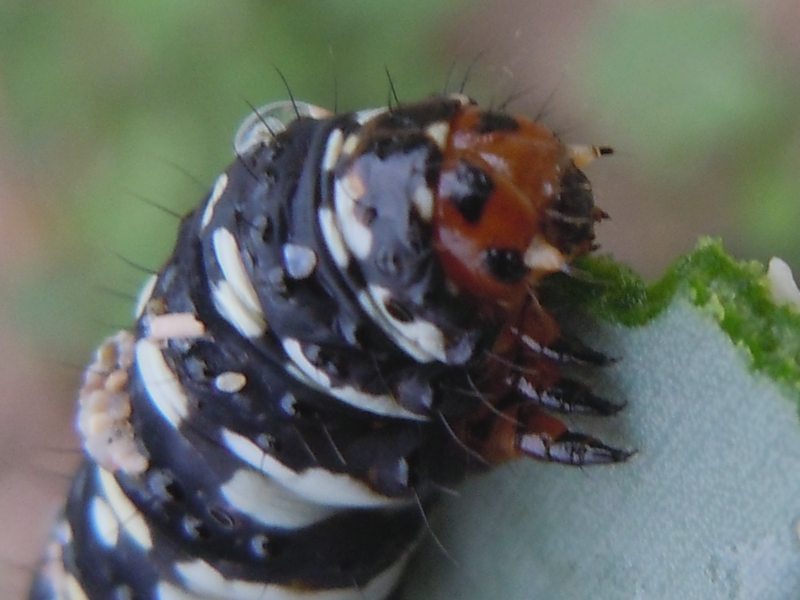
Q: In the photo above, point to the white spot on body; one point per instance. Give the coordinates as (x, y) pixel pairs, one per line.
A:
(216, 193)
(366, 115)
(174, 326)
(357, 236)
(104, 408)
(233, 310)
(258, 497)
(333, 149)
(130, 519)
(333, 238)
(439, 132)
(463, 99)
(314, 111)
(167, 591)
(379, 404)
(162, 386)
(782, 285)
(300, 261)
(205, 581)
(543, 257)
(104, 522)
(230, 382)
(423, 201)
(353, 185)
(230, 262)
(315, 484)
(421, 339)
(350, 144)
(144, 295)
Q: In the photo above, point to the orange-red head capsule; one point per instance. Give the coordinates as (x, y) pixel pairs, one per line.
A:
(511, 204)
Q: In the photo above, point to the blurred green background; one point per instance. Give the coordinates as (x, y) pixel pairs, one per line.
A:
(107, 107)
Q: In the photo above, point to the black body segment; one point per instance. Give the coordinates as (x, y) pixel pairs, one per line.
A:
(301, 378)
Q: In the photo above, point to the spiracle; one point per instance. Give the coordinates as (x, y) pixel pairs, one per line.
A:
(348, 322)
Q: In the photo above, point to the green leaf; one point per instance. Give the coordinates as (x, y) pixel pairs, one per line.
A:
(708, 507)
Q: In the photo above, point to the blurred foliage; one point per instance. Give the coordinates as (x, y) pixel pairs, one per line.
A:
(705, 102)
(735, 294)
(114, 105)
(114, 102)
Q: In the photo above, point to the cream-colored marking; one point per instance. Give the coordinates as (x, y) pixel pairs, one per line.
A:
(315, 484)
(165, 391)
(230, 381)
(205, 581)
(357, 236)
(333, 238)
(350, 144)
(234, 311)
(439, 132)
(369, 305)
(582, 155)
(379, 404)
(300, 261)
(366, 115)
(130, 519)
(144, 295)
(317, 112)
(782, 285)
(423, 201)
(74, 589)
(354, 185)
(230, 262)
(106, 525)
(168, 591)
(423, 334)
(294, 351)
(216, 193)
(258, 497)
(463, 99)
(175, 326)
(541, 256)
(333, 149)
(104, 408)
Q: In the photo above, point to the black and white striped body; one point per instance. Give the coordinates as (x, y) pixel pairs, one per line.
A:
(277, 423)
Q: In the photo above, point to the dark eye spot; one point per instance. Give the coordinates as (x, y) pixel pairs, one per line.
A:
(505, 264)
(469, 187)
(398, 311)
(493, 121)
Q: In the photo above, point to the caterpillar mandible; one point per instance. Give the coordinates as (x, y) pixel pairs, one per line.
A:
(348, 323)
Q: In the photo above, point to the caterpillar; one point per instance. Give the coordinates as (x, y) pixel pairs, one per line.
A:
(348, 325)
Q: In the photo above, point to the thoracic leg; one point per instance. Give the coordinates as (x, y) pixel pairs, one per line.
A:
(526, 430)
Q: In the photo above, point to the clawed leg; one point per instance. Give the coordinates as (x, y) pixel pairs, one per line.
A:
(564, 350)
(568, 396)
(529, 431)
(528, 360)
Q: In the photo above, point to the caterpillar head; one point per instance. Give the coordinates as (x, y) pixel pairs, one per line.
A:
(512, 204)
